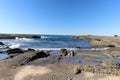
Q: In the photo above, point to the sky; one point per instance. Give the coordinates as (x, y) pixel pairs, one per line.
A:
(63, 17)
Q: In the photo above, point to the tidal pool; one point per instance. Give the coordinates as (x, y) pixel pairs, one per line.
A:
(2, 56)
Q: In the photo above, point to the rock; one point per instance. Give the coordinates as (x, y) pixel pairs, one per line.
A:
(44, 61)
(110, 63)
(76, 70)
(1, 52)
(25, 58)
(1, 43)
(13, 55)
(111, 45)
(115, 35)
(64, 52)
(40, 54)
(30, 49)
(71, 54)
(13, 51)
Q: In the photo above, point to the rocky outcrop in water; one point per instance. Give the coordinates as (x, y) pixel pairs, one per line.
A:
(64, 52)
(1, 43)
(14, 51)
(71, 54)
(25, 58)
(101, 41)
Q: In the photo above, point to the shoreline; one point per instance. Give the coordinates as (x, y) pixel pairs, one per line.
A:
(67, 64)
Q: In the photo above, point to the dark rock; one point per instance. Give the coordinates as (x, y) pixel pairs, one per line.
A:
(44, 61)
(64, 52)
(40, 54)
(98, 39)
(25, 58)
(115, 35)
(111, 45)
(13, 51)
(29, 49)
(1, 43)
(71, 54)
(1, 52)
(7, 47)
(13, 55)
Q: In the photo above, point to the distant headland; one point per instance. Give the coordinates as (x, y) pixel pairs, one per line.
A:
(14, 36)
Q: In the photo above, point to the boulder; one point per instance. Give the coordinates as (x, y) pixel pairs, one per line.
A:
(64, 52)
(13, 51)
(71, 54)
(1, 43)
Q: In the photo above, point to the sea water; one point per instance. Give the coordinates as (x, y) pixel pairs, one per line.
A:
(47, 41)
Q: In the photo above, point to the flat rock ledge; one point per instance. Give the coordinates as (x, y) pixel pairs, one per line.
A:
(96, 69)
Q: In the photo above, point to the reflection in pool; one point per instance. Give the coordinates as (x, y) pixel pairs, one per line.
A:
(2, 56)
(78, 60)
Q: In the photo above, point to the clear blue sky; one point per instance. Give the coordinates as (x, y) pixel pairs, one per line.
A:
(98, 17)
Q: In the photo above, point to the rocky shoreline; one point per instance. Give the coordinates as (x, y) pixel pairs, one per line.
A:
(67, 65)
(101, 41)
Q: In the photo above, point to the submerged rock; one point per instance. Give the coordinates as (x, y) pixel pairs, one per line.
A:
(1, 43)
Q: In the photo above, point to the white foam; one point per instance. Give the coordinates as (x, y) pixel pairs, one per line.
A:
(15, 46)
(97, 49)
(47, 49)
(26, 39)
(44, 37)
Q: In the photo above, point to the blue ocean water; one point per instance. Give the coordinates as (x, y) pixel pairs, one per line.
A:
(47, 41)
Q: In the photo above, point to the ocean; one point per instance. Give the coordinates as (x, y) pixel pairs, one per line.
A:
(46, 42)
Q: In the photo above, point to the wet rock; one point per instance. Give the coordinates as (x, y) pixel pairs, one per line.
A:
(64, 52)
(13, 51)
(13, 55)
(40, 54)
(30, 49)
(25, 58)
(1, 52)
(111, 45)
(1, 43)
(71, 54)
(44, 61)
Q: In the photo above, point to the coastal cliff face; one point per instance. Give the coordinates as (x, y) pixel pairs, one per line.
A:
(13, 36)
(101, 41)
